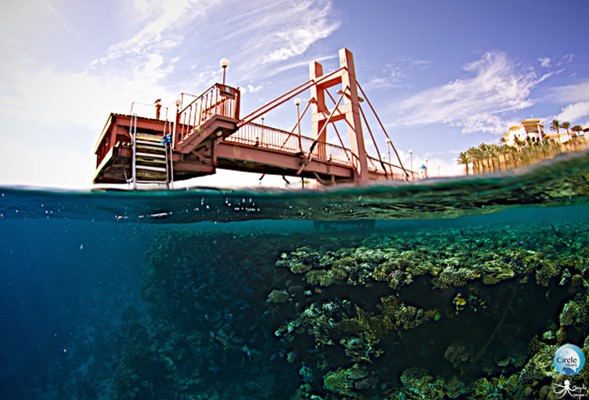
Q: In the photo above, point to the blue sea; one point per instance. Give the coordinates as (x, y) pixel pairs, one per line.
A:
(446, 288)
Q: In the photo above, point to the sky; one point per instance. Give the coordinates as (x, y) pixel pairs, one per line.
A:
(443, 75)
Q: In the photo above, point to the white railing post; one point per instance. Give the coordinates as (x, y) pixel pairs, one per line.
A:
(134, 145)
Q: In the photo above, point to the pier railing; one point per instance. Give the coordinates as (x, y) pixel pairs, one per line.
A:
(267, 137)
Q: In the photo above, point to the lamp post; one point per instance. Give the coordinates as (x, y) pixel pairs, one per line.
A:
(224, 63)
(263, 128)
(297, 103)
(426, 168)
(411, 164)
(176, 121)
(389, 154)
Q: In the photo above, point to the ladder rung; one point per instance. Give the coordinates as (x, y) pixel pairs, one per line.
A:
(150, 160)
(150, 145)
(150, 168)
(149, 142)
(152, 155)
(150, 175)
(142, 181)
(148, 137)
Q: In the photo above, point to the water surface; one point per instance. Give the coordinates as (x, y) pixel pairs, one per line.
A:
(443, 289)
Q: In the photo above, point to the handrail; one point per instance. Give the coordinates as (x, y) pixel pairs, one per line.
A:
(267, 137)
(216, 100)
(133, 132)
(374, 167)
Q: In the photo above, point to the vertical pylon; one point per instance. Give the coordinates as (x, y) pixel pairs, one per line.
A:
(348, 111)
(319, 109)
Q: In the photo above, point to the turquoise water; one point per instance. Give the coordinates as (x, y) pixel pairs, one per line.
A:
(442, 289)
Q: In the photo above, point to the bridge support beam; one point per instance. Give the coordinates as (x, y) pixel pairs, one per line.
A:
(349, 111)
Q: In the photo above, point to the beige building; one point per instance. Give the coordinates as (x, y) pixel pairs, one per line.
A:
(529, 128)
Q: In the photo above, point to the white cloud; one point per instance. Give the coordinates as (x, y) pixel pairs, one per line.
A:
(139, 67)
(544, 62)
(571, 93)
(298, 64)
(573, 113)
(483, 122)
(251, 88)
(395, 72)
(81, 99)
(496, 85)
(258, 36)
(48, 162)
(277, 31)
(167, 17)
(566, 59)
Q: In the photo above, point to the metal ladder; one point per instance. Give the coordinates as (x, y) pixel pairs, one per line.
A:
(150, 158)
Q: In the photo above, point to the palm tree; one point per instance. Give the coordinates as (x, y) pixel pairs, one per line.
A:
(476, 156)
(565, 125)
(463, 158)
(493, 151)
(555, 126)
(503, 151)
(518, 142)
(514, 154)
(577, 129)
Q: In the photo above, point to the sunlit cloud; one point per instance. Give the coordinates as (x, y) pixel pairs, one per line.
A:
(578, 112)
(142, 65)
(496, 85)
(81, 99)
(260, 37)
(576, 98)
(292, 40)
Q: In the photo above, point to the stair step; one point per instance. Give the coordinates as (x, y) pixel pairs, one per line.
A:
(148, 137)
(150, 168)
(149, 160)
(148, 153)
(150, 150)
(151, 182)
(151, 175)
(145, 143)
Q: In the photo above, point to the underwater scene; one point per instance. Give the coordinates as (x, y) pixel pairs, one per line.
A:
(440, 289)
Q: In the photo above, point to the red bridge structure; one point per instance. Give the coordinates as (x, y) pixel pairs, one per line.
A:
(206, 132)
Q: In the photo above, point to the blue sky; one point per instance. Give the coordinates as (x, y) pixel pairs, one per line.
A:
(443, 75)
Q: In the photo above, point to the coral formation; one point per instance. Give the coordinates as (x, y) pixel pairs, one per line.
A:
(451, 277)
(277, 296)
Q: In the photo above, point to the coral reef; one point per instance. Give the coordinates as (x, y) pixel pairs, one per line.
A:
(459, 313)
